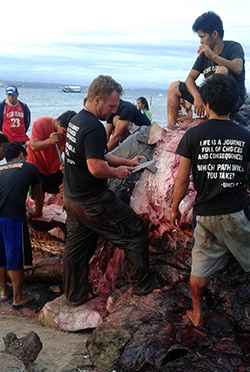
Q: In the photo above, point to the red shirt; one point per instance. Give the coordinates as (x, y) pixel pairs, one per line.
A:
(47, 160)
(13, 123)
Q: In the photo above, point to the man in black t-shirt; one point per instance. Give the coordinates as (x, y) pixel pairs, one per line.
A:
(15, 250)
(218, 152)
(92, 209)
(123, 122)
(215, 55)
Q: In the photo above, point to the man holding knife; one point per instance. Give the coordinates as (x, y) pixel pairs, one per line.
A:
(47, 142)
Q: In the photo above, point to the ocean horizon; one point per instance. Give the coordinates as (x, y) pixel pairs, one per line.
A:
(48, 99)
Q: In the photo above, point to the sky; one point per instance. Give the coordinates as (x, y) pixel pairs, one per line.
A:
(140, 44)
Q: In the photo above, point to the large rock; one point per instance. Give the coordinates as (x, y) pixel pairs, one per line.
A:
(25, 349)
(57, 314)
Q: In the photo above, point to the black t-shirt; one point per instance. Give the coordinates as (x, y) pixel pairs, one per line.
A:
(230, 51)
(86, 139)
(15, 179)
(128, 111)
(218, 150)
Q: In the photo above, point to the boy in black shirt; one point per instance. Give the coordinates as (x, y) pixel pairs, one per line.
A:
(218, 152)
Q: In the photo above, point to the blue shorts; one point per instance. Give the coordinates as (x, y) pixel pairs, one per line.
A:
(11, 244)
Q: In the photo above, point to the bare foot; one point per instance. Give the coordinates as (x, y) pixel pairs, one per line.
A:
(197, 321)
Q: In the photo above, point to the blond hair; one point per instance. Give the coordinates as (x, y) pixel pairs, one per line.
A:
(103, 86)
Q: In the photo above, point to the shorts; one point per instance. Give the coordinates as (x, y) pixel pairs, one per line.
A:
(215, 236)
(51, 182)
(185, 93)
(11, 244)
(187, 96)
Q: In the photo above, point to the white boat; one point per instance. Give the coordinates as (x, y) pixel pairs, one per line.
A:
(72, 89)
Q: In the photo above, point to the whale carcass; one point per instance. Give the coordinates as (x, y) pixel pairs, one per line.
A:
(153, 333)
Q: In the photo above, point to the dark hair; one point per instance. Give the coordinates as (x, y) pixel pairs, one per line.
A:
(12, 150)
(3, 138)
(209, 22)
(144, 102)
(65, 118)
(103, 86)
(221, 93)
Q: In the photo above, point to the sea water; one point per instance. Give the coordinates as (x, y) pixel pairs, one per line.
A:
(52, 101)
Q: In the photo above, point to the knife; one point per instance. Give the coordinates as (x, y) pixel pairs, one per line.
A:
(59, 154)
(146, 164)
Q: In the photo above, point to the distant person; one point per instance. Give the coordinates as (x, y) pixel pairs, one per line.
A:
(185, 111)
(218, 152)
(92, 209)
(15, 249)
(14, 116)
(215, 55)
(142, 103)
(126, 120)
(3, 140)
(48, 137)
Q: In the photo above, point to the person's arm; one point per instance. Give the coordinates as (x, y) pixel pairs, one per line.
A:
(38, 145)
(116, 161)
(235, 65)
(36, 191)
(101, 169)
(192, 88)
(180, 189)
(27, 118)
(109, 129)
(119, 132)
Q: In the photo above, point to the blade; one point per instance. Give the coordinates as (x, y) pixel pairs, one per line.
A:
(143, 165)
(59, 154)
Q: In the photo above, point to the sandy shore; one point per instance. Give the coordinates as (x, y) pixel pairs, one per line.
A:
(61, 352)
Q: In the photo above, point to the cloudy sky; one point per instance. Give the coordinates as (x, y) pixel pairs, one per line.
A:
(140, 44)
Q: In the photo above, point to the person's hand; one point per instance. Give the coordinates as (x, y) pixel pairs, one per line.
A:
(206, 50)
(123, 171)
(53, 138)
(32, 213)
(136, 160)
(199, 108)
(175, 217)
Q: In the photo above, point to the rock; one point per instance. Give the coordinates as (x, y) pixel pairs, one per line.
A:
(57, 314)
(11, 363)
(26, 349)
(104, 346)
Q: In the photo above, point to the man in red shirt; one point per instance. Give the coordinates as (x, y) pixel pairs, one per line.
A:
(14, 117)
(48, 138)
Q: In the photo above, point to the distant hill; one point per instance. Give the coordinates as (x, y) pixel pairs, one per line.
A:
(26, 84)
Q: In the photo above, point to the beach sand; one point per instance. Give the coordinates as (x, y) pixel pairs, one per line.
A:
(61, 352)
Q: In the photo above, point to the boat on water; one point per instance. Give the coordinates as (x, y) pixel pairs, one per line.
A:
(72, 89)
